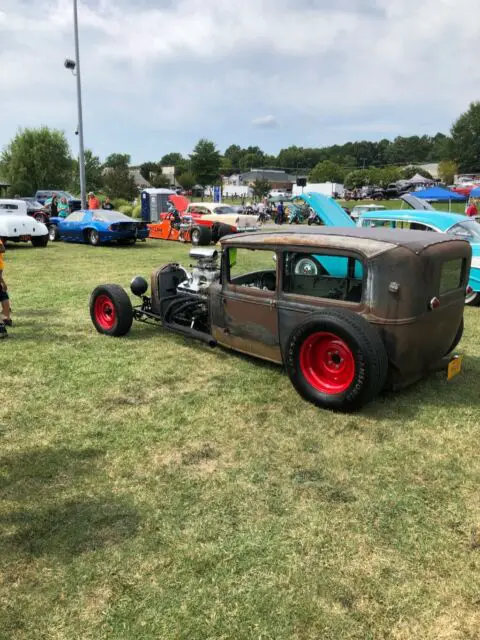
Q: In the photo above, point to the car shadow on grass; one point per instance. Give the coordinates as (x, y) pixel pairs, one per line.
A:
(49, 514)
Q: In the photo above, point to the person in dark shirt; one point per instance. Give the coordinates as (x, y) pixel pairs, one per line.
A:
(54, 206)
(107, 204)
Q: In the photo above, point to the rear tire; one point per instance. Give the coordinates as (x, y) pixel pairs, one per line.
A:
(94, 237)
(40, 241)
(200, 236)
(336, 360)
(111, 310)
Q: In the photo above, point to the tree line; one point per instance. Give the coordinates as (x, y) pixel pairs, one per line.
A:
(41, 158)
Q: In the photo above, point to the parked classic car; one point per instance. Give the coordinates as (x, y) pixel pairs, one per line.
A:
(44, 196)
(441, 222)
(17, 226)
(348, 312)
(97, 227)
(37, 210)
(202, 223)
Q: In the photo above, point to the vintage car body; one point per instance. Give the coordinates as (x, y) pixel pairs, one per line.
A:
(202, 223)
(97, 227)
(348, 312)
(17, 226)
(441, 222)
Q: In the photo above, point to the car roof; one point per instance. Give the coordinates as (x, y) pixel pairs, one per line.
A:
(368, 241)
(209, 205)
(443, 220)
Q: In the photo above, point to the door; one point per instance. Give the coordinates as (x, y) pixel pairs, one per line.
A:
(249, 300)
(69, 226)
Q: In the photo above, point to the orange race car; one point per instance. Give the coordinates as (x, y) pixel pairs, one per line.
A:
(201, 223)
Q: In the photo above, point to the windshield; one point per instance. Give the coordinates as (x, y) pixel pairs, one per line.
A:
(111, 216)
(221, 210)
(470, 228)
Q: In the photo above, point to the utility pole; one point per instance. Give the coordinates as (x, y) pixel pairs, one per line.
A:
(81, 157)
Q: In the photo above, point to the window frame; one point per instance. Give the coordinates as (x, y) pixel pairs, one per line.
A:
(333, 253)
(227, 284)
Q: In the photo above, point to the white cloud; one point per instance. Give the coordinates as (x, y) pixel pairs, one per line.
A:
(158, 75)
(267, 122)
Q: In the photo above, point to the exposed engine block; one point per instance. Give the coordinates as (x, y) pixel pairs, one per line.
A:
(205, 273)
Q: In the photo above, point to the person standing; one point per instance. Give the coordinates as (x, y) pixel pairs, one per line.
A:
(472, 211)
(280, 213)
(63, 208)
(107, 205)
(93, 202)
(54, 206)
(5, 320)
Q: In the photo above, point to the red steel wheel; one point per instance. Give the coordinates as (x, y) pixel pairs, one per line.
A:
(327, 363)
(111, 310)
(104, 311)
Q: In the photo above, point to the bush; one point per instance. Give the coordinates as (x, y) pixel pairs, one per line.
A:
(137, 211)
(126, 209)
(120, 202)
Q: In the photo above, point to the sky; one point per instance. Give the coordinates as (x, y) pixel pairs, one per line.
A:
(157, 75)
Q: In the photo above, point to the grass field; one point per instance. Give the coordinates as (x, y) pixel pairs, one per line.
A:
(154, 488)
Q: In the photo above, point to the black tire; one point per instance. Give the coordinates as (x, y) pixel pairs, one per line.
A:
(40, 217)
(93, 237)
(200, 236)
(473, 300)
(458, 337)
(224, 230)
(53, 233)
(39, 241)
(362, 347)
(111, 310)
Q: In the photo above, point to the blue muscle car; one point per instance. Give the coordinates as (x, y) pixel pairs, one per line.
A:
(97, 227)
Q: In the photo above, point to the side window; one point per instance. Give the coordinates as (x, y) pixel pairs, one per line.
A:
(252, 268)
(386, 224)
(75, 217)
(323, 276)
(9, 206)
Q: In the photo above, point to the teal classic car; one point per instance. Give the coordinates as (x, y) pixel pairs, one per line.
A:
(454, 224)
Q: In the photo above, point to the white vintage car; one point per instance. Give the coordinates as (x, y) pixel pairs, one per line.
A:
(17, 226)
(218, 212)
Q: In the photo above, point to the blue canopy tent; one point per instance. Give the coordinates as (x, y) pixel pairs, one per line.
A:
(437, 194)
(475, 193)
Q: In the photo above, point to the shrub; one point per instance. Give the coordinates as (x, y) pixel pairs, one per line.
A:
(120, 202)
(137, 211)
(127, 209)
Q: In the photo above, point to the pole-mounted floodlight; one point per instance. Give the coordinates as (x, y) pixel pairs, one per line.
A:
(74, 67)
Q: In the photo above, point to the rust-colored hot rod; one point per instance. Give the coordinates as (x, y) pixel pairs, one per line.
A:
(348, 312)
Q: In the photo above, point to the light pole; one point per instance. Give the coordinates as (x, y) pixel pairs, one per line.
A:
(74, 66)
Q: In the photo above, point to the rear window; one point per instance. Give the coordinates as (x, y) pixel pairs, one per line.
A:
(452, 276)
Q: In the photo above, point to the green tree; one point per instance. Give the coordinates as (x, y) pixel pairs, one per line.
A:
(187, 181)
(234, 154)
(327, 171)
(36, 159)
(410, 171)
(117, 160)
(447, 170)
(261, 187)
(206, 162)
(93, 173)
(174, 159)
(147, 169)
(159, 180)
(466, 140)
(117, 179)
(357, 178)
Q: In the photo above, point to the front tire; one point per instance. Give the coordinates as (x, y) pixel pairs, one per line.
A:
(337, 360)
(111, 310)
(40, 241)
(473, 300)
(53, 233)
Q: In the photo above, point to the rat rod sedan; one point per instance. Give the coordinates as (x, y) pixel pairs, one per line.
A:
(348, 312)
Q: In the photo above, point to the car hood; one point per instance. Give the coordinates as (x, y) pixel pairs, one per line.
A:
(328, 210)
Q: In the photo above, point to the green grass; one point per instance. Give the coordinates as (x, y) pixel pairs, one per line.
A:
(154, 488)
